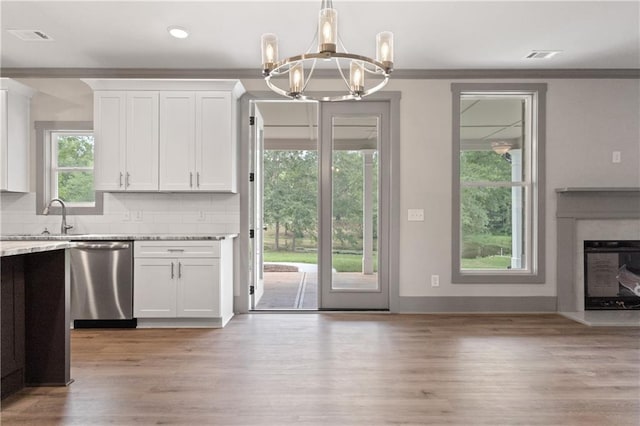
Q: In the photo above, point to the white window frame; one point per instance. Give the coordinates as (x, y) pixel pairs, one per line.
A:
(533, 271)
(47, 168)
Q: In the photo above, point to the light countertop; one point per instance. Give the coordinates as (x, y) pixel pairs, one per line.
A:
(13, 248)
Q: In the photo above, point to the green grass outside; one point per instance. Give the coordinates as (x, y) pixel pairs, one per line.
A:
(353, 262)
(489, 262)
(341, 262)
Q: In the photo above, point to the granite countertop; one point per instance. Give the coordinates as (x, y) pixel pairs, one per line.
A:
(115, 237)
(13, 248)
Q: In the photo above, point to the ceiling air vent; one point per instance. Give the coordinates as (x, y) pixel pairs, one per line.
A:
(542, 54)
(30, 35)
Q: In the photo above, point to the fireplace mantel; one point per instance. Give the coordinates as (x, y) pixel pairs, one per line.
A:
(575, 204)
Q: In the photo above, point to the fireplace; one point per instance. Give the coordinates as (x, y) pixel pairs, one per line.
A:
(611, 275)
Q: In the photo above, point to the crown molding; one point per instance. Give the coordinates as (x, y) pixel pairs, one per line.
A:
(246, 73)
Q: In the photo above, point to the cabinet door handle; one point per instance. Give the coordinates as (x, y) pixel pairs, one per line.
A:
(175, 249)
(126, 181)
(120, 180)
(172, 274)
(198, 179)
(179, 270)
(190, 179)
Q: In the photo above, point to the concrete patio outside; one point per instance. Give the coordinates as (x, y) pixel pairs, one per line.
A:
(292, 286)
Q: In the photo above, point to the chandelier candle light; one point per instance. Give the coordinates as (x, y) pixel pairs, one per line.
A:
(328, 40)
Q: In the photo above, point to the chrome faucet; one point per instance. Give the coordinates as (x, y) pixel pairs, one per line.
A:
(63, 227)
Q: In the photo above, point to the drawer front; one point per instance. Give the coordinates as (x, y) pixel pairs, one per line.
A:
(175, 249)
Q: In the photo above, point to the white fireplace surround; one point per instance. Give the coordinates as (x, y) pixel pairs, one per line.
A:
(592, 214)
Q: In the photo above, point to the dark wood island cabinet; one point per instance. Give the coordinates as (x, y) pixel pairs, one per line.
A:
(34, 303)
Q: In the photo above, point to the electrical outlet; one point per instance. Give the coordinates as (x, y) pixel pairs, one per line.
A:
(138, 216)
(435, 280)
(202, 216)
(415, 215)
(126, 217)
(616, 157)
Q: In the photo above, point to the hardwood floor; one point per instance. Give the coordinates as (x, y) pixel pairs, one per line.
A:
(348, 369)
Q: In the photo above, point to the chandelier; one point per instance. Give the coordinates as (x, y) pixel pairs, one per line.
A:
(366, 75)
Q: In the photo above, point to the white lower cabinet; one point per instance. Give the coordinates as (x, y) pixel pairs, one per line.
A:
(154, 289)
(183, 283)
(198, 288)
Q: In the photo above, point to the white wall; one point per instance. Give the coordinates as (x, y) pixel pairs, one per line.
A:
(586, 121)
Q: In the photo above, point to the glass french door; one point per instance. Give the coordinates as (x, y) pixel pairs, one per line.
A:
(354, 208)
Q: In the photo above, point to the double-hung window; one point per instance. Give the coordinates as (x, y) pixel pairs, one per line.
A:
(71, 168)
(498, 183)
(65, 152)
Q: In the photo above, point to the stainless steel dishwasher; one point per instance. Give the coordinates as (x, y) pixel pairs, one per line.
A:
(102, 284)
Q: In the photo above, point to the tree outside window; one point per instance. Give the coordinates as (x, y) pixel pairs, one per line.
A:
(72, 167)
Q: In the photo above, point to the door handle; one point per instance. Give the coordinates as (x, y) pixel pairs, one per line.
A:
(126, 181)
(179, 270)
(172, 274)
(198, 179)
(120, 180)
(190, 179)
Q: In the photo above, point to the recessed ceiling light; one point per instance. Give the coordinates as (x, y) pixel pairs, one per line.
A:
(542, 54)
(178, 32)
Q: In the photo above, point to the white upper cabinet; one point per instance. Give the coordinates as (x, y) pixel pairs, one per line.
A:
(142, 141)
(109, 127)
(15, 124)
(126, 134)
(215, 142)
(197, 142)
(177, 141)
(186, 141)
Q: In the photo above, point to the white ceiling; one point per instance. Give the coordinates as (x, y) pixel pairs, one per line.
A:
(226, 34)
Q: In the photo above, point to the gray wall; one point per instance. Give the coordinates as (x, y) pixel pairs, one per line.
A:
(586, 120)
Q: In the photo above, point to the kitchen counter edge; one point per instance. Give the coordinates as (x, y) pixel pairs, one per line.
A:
(15, 248)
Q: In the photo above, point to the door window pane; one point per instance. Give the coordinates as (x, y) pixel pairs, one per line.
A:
(355, 203)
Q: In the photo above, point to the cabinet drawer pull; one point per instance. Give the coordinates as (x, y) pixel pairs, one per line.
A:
(172, 250)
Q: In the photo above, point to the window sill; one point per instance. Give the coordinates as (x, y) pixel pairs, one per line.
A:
(497, 278)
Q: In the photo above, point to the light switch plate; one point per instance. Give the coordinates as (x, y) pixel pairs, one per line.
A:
(415, 215)
(616, 157)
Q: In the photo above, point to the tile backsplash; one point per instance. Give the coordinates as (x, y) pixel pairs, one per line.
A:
(130, 213)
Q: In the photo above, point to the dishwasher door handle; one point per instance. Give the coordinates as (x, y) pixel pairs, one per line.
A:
(112, 245)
